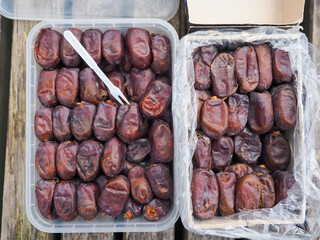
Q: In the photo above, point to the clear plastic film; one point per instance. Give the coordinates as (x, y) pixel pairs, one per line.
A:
(295, 217)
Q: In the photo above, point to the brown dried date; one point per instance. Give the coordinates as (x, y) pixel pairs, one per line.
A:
(261, 115)
(222, 152)
(44, 190)
(67, 86)
(227, 185)
(165, 79)
(276, 151)
(283, 181)
(239, 169)
(129, 122)
(87, 195)
(69, 56)
(138, 150)
(144, 129)
(281, 66)
(284, 106)
(88, 160)
(156, 209)
(91, 41)
(156, 99)
(160, 47)
(205, 194)
(101, 180)
(160, 180)
(140, 188)
(104, 124)
(246, 68)
(137, 82)
(46, 160)
(268, 194)
(224, 81)
(138, 43)
(92, 89)
(126, 65)
(214, 118)
(200, 103)
(43, 124)
(46, 48)
(238, 106)
(247, 146)
(248, 192)
(203, 95)
(132, 209)
(47, 88)
(161, 141)
(113, 47)
(202, 156)
(113, 156)
(127, 166)
(61, 123)
(264, 58)
(66, 160)
(117, 80)
(114, 196)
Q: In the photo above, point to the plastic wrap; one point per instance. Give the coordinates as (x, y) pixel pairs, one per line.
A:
(295, 217)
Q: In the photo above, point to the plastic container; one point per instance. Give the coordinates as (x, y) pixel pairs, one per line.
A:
(100, 223)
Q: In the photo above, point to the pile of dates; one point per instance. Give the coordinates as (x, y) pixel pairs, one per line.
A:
(96, 156)
(246, 102)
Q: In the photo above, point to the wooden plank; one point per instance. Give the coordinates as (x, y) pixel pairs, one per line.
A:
(87, 236)
(15, 223)
(193, 236)
(314, 10)
(169, 234)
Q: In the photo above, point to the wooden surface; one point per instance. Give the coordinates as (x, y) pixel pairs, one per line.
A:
(15, 224)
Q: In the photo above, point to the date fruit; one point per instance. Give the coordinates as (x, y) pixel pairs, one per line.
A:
(138, 44)
(227, 185)
(113, 47)
(132, 209)
(238, 106)
(81, 122)
(224, 81)
(101, 180)
(127, 166)
(129, 122)
(248, 192)
(283, 181)
(264, 58)
(284, 106)
(222, 151)
(44, 190)
(214, 118)
(113, 156)
(69, 56)
(91, 41)
(160, 47)
(268, 194)
(88, 160)
(202, 156)
(156, 99)
(160, 180)
(67, 86)
(43, 124)
(205, 194)
(65, 200)
(46, 160)
(156, 209)
(61, 123)
(46, 48)
(66, 160)
(47, 88)
(246, 68)
(203, 95)
(261, 115)
(117, 80)
(239, 169)
(140, 188)
(114, 196)
(87, 195)
(161, 141)
(281, 66)
(247, 146)
(138, 150)
(104, 124)
(92, 89)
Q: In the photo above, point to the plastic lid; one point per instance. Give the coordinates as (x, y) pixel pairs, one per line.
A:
(235, 12)
(51, 9)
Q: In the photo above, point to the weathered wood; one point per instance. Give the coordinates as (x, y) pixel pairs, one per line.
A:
(193, 236)
(178, 21)
(15, 223)
(315, 22)
(169, 234)
(87, 236)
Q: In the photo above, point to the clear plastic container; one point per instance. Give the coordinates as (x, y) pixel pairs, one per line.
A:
(100, 223)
